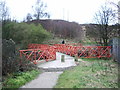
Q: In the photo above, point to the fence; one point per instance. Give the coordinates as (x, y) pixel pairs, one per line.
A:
(36, 52)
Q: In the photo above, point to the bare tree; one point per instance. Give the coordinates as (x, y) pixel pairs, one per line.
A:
(92, 32)
(40, 10)
(4, 13)
(103, 18)
(117, 9)
(29, 17)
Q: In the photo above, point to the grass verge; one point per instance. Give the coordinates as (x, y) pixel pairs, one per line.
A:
(87, 42)
(90, 73)
(16, 80)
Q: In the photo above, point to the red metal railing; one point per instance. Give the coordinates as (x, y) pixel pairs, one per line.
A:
(34, 55)
(36, 52)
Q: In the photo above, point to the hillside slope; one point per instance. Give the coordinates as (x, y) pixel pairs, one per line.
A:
(62, 29)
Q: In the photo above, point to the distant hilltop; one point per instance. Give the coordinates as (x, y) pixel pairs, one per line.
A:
(63, 28)
(66, 29)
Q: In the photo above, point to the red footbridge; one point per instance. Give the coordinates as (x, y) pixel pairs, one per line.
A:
(36, 52)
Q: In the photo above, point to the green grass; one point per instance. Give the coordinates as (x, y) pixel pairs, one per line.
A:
(91, 73)
(86, 41)
(16, 80)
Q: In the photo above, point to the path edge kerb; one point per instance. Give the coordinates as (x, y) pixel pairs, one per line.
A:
(55, 69)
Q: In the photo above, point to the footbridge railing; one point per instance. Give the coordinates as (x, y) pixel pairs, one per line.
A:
(36, 52)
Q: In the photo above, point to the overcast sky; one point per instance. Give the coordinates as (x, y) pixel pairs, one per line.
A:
(80, 11)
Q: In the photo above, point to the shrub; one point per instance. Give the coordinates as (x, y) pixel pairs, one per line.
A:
(11, 62)
(23, 33)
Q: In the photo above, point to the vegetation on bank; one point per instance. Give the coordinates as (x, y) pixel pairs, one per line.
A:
(17, 79)
(23, 34)
(90, 73)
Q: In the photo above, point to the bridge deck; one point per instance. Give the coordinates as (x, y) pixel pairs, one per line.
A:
(57, 65)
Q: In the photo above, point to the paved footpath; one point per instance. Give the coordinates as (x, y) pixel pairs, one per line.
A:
(51, 72)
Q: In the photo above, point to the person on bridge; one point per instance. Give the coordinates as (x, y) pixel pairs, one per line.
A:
(63, 42)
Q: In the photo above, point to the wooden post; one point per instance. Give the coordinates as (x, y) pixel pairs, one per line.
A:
(76, 58)
(62, 58)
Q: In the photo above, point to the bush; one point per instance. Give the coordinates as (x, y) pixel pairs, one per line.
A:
(23, 33)
(11, 62)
